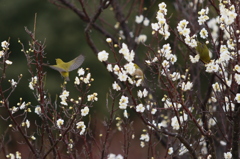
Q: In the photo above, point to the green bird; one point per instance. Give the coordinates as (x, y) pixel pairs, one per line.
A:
(203, 52)
(138, 73)
(65, 67)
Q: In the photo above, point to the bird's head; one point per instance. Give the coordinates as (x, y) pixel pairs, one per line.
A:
(59, 61)
(136, 66)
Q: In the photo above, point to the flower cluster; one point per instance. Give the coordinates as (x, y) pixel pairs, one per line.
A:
(203, 16)
(87, 79)
(182, 150)
(21, 106)
(170, 104)
(142, 94)
(5, 45)
(141, 38)
(141, 19)
(13, 83)
(144, 138)
(38, 110)
(113, 156)
(17, 155)
(187, 86)
(161, 26)
(129, 72)
(167, 59)
(64, 97)
(33, 83)
(82, 126)
(26, 123)
(59, 123)
(116, 86)
(175, 121)
(4, 51)
(123, 102)
(185, 32)
(228, 15)
(84, 111)
(92, 97)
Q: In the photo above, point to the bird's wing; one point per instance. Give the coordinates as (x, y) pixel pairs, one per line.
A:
(77, 62)
(55, 67)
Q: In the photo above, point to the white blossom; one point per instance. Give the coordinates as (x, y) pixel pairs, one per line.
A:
(124, 49)
(122, 76)
(182, 150)
(129, 56)
(227, 155)
(109, 40)
(162, 124)
(194, 59)
(103, 56)
(146, 21)
(203, 16)
(27, 122)
(80, 72)
(155, 26)
(228, 15)
(84, 111)
(140, 108)
(64, 96)
(81, 125)
(92, 97)
(125, 113)
(87, 79)
(224, 54)
(38, 110)
(23, 105)
(182, 25)
(130, 68)
(60, 123)
(237, 98)
(237, 68)
(113, 156)
(217, 87)
(5, 45)
(170, 150)
(145, 137)
(77, 81)
(174, 123)
(109, 67)
(141, 38)
(33, 82)
(237, 78)
(212, 67)
(116, 86)
(139, 19)
(123, 102)
(153, 111)
(187, 86)
(13, 83)
(14, 109)
(8, 62)
(1, 54)
(203, 33)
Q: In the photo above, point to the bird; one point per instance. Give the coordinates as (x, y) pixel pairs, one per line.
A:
(138, 73)
(203, 52)
(65, 67)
